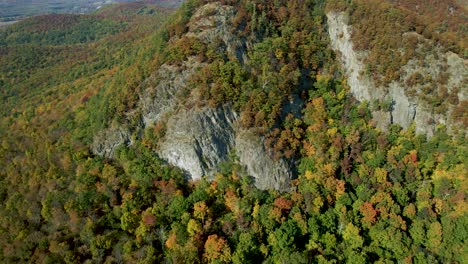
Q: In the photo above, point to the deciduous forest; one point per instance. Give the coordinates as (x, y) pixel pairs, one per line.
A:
(360, 194)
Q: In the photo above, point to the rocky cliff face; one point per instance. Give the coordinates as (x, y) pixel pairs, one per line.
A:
(409, 100)
(209, 24)
(108, 140)
(340, 36)
(198, 139)
(158, 100)
(212, 23)
(268, 172)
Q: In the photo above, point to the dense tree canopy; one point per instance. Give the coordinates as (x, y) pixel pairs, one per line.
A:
(361, 195)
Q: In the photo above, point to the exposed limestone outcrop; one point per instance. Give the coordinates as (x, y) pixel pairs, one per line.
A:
(459, 77)
(209, 24)
(439, 72)
(403, 110)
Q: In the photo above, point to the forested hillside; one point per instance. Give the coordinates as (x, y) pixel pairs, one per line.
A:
(358, 193)
(13, 10)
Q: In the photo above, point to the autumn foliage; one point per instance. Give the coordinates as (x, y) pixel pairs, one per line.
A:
(360, 194)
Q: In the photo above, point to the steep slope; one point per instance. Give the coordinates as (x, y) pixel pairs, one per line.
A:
(425, 87)
(404, 108)
(196, 139)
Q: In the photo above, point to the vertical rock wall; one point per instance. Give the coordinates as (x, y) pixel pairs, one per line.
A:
(409, 101)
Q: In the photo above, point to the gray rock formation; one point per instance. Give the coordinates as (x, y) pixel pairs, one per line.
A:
(108, 140)
(209, 24)
(410, 103)
(197, 140)
(213, 22)
(340, 36)
(403, 111)
(268, 172)
(156, 101)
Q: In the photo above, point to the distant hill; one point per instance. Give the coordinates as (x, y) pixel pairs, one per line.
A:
(15, 10)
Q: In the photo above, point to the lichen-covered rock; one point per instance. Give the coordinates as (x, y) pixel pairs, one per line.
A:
(267, 172)
(158, 100)
(403, 111)
(108, 140)
(212, 23)
(197, 140)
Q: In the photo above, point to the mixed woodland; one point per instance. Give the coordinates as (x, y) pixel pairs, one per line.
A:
(360, 194)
